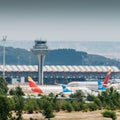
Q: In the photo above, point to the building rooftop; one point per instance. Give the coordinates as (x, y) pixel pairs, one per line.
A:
(58, 68)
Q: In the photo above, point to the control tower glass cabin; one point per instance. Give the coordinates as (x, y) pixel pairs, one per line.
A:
(40, 49)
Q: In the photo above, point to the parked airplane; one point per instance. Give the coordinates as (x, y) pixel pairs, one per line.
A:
(62, 90)
(65, 91)
(100, 88)
(70, 90)
(91, 85)
(43, 89)
(87, 87)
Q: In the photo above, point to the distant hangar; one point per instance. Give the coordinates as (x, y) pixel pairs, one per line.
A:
(62, 74)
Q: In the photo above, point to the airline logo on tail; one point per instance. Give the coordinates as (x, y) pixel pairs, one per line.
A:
(66, 89)
(106, 80)
(34, 87)
(100, 86)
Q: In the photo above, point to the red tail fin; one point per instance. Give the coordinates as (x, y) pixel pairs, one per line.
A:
(34, 87)
(105, 82)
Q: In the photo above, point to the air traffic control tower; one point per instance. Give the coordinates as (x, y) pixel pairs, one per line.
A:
(40, 49)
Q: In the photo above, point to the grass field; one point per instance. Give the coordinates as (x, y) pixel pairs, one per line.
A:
(94, 115)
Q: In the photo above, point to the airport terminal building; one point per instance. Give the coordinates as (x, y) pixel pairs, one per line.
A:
(61, 74)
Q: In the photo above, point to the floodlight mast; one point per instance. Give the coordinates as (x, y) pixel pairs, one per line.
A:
(40, 49)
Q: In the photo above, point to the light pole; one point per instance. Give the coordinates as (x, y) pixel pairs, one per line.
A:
(4, 40)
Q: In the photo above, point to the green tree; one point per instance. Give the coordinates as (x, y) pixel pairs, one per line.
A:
(4, 108)
(92, 106)
(40, 103)
(76, 105)
(110, 98)
(90, 97)
(78, 95)
(19, 106)
(12, 92)
(3, 86)
(83, 107)
(63, 104)
(55, 104)
(31, 105)
(69, 107)
(47, 109)
(98, 102)
(18, 91)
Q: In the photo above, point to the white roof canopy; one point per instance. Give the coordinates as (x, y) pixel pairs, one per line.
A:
(34, 68)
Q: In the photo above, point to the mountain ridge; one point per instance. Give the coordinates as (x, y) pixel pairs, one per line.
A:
(18, 56)
(108, 49)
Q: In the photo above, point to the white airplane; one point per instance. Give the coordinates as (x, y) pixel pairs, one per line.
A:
(42, 89)
(62, 90)
(67, 90)
(59, 90)
(87, 87)
(91, 85)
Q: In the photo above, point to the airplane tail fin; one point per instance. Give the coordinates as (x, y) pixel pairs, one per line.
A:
(34, 87)
(31, 82)
(66, 89)
(106, 80)
(100, 86)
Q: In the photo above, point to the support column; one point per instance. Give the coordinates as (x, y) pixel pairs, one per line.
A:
(40, 50)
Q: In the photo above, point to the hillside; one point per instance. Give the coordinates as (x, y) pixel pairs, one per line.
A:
(17, 56)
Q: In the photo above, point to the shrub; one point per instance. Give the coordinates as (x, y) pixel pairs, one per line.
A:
(78, 94)
(76, 105)
(83, 107)
(19, 105)
(69, 107)
(110, 98)
(98, 102)
(110, 114)
(63, 105)
(48, 110)
(90, 97)
(4, 108)
(31, 105)
(3, 86)
(57, 107)
(32, 119)
(92, 106)
(17, 91)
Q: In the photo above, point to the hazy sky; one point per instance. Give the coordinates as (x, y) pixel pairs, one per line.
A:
(90, 20)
